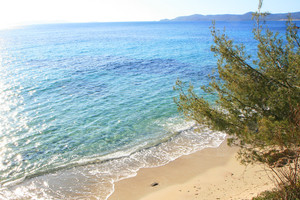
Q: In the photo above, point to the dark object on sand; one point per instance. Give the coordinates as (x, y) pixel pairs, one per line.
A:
(154, 184)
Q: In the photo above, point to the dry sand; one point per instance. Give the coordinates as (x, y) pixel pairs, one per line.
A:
(212, 173)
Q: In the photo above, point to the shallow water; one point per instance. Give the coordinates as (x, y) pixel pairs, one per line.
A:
(85, 105)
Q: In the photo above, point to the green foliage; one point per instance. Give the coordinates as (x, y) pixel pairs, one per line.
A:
(258, 102)
(287, 193)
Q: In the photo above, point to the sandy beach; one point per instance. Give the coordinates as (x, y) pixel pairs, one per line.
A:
(212, 173)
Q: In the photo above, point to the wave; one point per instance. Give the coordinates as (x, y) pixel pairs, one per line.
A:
(94, 178)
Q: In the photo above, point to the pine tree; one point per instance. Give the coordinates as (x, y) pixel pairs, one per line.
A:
(258, 103)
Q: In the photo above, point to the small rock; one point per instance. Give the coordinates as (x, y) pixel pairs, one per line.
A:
(154, 184)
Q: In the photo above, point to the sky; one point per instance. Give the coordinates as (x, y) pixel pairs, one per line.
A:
(20, 12)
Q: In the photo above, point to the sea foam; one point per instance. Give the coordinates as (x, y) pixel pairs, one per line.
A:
(94, 179)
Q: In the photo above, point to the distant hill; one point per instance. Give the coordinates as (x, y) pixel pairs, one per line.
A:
(229, 17)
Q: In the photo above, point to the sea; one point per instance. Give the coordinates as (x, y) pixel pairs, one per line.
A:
(84, 105)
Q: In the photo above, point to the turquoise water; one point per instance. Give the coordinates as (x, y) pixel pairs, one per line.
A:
(85, 105)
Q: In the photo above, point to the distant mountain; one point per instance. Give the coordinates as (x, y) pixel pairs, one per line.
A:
(229, 17)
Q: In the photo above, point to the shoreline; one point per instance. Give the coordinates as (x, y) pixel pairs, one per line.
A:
(211, 173)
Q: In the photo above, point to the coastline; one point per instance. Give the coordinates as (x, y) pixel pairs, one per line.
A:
(212, 173)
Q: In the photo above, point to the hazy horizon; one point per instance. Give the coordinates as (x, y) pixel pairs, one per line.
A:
(18, 12)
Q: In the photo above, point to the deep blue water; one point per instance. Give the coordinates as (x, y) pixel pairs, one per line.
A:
(85, 105)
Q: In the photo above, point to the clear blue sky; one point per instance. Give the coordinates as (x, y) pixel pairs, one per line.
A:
(43, 11)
